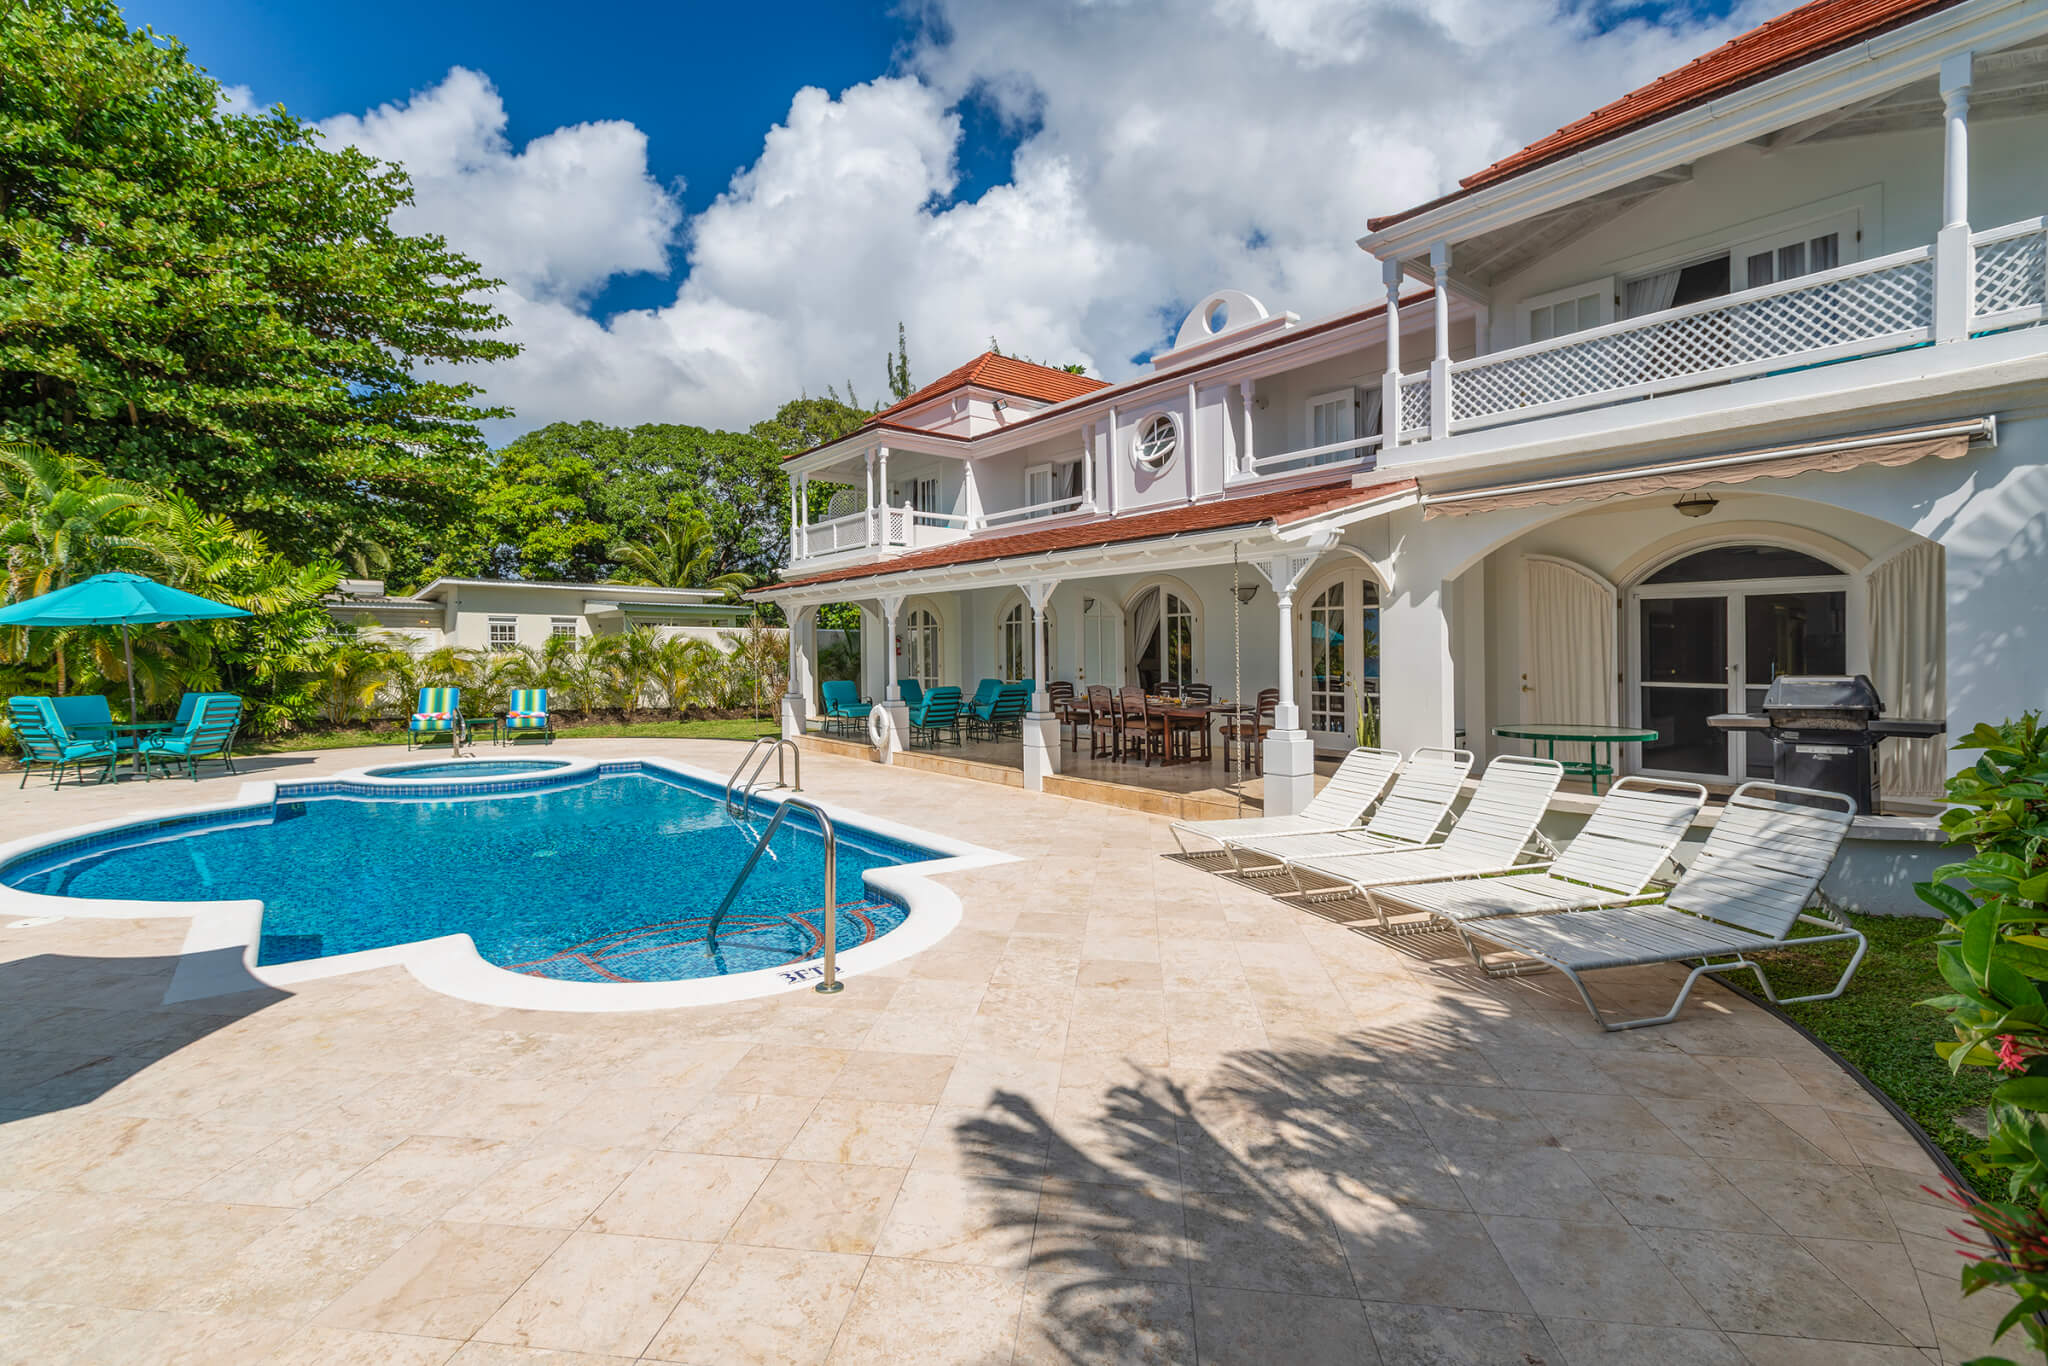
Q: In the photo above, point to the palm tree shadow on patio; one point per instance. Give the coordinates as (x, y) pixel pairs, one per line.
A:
(76, 1027)
(1172, 1208)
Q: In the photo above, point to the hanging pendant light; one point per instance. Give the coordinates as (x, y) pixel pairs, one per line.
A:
(1696, 504)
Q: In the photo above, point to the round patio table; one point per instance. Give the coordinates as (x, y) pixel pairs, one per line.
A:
(141, 730)
(1551, 734)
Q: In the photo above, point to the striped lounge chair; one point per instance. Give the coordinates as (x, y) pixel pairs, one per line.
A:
(528, 711)
(439, 711)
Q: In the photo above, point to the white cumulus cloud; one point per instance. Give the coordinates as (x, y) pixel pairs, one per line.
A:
(1168, 147)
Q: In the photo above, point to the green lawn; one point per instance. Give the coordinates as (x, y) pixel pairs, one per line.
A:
(742, 729)
(1880, 1030)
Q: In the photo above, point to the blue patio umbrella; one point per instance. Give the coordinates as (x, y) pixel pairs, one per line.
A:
(122, 600)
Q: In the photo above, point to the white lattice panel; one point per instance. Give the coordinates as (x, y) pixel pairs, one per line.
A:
(1744, 332)
(1415, 405)
(2012, 273)
(899, 529)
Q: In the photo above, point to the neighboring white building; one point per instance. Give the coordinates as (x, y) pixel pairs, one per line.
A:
(1796, 286)
(494, 614)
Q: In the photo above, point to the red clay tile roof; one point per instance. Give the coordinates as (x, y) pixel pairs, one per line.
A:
(1797, 36)
(1004, 374)
(1285, 506)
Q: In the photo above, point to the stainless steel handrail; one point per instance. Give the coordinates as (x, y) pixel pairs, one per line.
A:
(831, 982)
(738, 810)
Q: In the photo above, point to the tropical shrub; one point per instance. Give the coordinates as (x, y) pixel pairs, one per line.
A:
(1996, 902)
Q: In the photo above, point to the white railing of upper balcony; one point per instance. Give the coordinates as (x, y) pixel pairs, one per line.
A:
(1884, 304)
(1031, 511)
(878, 528)
(1316, 457)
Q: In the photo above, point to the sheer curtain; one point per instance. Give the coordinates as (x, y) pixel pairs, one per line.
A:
(1369, 410)
(1569, 650)
(1651, 294)
(1908, 647)
(1145, 623)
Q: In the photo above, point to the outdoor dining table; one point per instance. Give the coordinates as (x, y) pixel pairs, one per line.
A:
(1552, 734)
(140, 730)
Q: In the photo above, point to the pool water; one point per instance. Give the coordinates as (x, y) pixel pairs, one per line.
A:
(610, 878)
(471, 768)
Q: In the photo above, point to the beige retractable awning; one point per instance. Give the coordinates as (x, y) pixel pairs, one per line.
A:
(1945, 442)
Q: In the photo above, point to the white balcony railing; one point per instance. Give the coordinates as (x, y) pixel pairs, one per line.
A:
(883, 528)
(2011, 286)
(1051, 508)
(1317, 457)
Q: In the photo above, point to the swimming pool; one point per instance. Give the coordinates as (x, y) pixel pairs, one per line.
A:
(464, 768)
(590, 874)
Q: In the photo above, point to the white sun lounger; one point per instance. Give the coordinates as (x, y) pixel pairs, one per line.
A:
(1353, 789)
(1610, 862)
(1749, 887)
(1490, 836)
(1406, 818)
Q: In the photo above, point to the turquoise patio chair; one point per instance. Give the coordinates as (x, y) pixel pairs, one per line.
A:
(210, 734)
(1005, 714)
(44, 741)
(912, 690)
(188, 707)
(844, 710)
(937, 713)
(438, 710)
(985, 694)
(89, 718)
(528, 711)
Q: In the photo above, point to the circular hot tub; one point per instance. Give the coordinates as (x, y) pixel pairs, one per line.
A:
(443, 770)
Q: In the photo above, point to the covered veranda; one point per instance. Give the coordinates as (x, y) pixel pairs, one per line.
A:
(1187, 600)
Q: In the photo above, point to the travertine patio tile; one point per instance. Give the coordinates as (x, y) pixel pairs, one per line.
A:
(1733, 1129)
(819, 1207)
(681, 1195)
(1761, 1283)
(1423, 1335)
(297, 1169)
(744, 1125)
(1095, 1318)
(874, 1133)
(1437, 1257)
(1592, 1271)
(941, 1217)
(1653, 1191)
(445, 1282)
(1764, 1350)
(297, 1268)
(126, 1252)
(1251, 1328)
(1883, 1275)
(349, 1347)
(419, 1179)
(173, 1339)
(1586, 1343)
(56, 1332)
(1261, 1240)
(622, 1116)
(785, 1070)
(598, 1292)
(1814, 1200)
(1460, 1118)
(548, 1187)
(908, 1313)
(1541, 1181)
(903, 1078)
(760, 1306)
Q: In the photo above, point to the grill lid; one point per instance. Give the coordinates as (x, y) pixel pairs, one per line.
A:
(1851, 693)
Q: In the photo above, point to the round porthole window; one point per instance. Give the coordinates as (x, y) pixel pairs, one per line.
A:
(1158, 439)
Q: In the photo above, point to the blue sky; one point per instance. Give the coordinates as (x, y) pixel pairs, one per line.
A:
(699, 211)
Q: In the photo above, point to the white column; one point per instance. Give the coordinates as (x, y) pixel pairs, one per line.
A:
(803, 515)
(1440, 366)
(970, 496)
(882, 496)
(1245, 457)
(1041, 727)
(1954, 263)
(1088, 466)
(1109, 468)
(1288, 758)
(1417, 678)
(1390, 386)
(796, 698)
(896, 737)
(869, 502)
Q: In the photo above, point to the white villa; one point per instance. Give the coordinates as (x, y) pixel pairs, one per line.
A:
(496, 614)
(1741, 375)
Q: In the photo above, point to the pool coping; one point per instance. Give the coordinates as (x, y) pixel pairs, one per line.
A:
(221, 943)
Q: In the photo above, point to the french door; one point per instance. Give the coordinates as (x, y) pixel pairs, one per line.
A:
(1102, 641)
(1704, 648)
(1337, 657)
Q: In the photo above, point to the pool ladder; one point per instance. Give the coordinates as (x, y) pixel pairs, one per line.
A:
(830, 982)
(738, 809)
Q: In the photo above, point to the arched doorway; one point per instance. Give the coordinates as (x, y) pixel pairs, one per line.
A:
(1013, 642)
(1709, 631)
(1337, 656)
(1164, 621)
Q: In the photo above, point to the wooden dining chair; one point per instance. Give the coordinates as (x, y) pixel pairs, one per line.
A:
(1198, 694)
(1060, 696)
(1131, 723)
(1241, 730)
(1102, 719)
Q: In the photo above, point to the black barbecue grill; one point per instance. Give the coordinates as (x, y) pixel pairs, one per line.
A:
(1824, 731)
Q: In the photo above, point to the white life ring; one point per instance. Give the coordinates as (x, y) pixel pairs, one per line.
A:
(880, 732)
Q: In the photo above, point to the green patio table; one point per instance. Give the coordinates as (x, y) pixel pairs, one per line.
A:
(139, 729)
(1551, 734)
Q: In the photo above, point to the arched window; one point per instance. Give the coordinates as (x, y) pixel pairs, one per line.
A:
(1013, 644)
(1163, 639)
(921, 647)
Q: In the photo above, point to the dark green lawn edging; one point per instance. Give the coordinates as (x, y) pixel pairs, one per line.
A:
(1878, 1029)
(743, 728)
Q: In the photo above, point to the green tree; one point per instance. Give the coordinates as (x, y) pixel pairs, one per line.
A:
(678, 554)
(217, 303)
(537, 518)
(898, 368)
